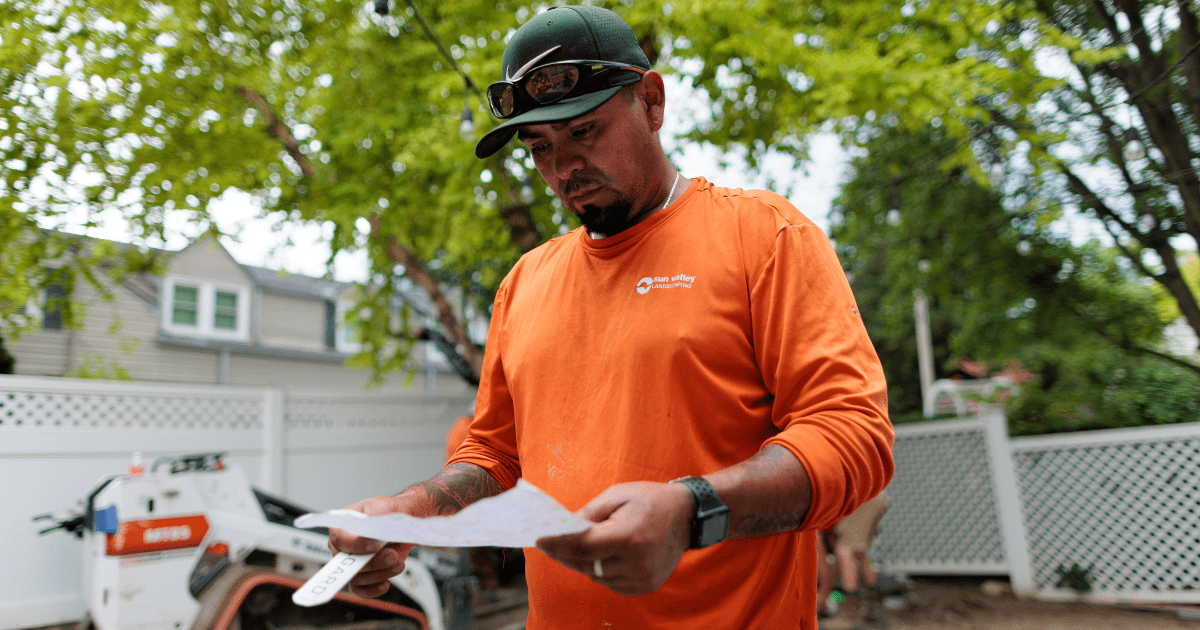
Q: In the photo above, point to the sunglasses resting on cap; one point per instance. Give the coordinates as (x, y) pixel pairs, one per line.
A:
(561, 64)
(553, 82)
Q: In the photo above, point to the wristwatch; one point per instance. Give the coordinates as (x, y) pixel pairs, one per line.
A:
(710, 522)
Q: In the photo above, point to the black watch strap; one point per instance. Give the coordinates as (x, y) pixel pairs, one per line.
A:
(703, 492)
(710, 521)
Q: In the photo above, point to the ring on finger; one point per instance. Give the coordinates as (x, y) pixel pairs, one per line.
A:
(598, 568)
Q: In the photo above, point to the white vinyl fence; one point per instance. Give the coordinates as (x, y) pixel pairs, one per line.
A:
(1113, 513)
(58, 437)
(1117, 510)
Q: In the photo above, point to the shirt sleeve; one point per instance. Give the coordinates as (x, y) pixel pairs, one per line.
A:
(816, 359)
(491, 441)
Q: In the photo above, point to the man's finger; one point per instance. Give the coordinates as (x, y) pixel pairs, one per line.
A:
(602, 507)
(330, 579)
(368, 577)
(341, 540)
(388, 558)
(563, 548)
(371, 591)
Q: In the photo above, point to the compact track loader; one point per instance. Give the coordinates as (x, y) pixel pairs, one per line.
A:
(190, 545)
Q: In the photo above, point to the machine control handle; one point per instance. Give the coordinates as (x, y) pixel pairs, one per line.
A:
(332, 577)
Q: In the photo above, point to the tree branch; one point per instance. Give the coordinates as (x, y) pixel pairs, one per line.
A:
(521, 228)
(416, 268)
(1189, 35)
(419, 273)
(1171, 278)
(1130, 346)
(278, 129)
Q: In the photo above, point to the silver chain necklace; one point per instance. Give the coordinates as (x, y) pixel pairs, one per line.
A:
(672, 193)
(664, 206)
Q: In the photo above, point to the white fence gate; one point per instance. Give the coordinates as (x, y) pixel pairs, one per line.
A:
(1114, 511)
(58, 437)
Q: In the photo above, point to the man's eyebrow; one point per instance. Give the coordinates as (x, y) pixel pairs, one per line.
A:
(524, 134)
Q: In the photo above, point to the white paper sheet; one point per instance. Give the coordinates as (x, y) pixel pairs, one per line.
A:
(516, 518)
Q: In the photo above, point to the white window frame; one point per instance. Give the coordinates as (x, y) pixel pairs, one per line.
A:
(171, 304)
(237, 297)
(205, 309)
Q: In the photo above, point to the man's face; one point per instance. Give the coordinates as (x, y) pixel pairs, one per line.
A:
(603, 165)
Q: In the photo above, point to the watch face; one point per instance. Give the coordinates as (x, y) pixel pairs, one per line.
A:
(714, 529)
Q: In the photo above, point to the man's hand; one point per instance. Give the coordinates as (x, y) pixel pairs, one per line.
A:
(447, 492)
(640, 532)
(388, 562)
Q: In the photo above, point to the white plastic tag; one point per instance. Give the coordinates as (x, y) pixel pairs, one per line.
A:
(332, 577)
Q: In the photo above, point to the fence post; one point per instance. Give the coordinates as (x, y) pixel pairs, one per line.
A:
(273, 447)
(1008, 499)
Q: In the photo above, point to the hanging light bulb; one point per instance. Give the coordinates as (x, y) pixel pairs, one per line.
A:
(467, 128)
(526, 185)
(1134, 149)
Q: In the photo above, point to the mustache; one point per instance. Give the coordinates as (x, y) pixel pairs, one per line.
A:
(581, 180)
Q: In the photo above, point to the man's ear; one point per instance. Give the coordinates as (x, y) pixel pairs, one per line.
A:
(652, 97)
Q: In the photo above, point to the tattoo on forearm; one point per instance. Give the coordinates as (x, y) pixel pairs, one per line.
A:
(784, 494)
(764, 524)
(457, 486)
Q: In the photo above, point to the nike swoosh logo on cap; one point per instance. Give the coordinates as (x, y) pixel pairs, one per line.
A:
(527, 67)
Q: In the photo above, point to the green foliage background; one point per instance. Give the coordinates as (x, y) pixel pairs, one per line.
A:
(327, 111)
(1002, 293)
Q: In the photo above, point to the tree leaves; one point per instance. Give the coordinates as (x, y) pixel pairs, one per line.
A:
(1003, 293)
(327, 111)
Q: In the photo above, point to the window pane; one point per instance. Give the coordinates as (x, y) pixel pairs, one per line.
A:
(330, 325)
(184, 305)
(225, 311)
(52, 310)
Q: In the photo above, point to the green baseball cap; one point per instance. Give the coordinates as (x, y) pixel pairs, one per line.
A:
(567, 34)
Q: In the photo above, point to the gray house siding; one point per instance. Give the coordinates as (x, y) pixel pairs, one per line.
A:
(292, 322)
(41, 352)
(279, 337)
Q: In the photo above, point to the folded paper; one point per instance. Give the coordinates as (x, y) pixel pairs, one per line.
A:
(516, 518)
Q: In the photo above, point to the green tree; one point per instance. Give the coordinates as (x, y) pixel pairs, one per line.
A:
(1074, 314)
(323, 110)
(327, 111)
(1056, 104)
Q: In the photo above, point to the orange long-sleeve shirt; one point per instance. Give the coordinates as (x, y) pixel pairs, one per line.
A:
(682, 346)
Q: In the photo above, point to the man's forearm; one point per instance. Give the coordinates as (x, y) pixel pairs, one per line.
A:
(455, 487)
(766, 494)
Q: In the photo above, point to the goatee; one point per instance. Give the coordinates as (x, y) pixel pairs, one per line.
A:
(603, 221)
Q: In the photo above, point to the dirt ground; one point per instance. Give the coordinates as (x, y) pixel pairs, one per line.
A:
(928, 604)
(962, 604)
(939, 604)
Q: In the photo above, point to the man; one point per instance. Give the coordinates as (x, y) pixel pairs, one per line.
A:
(854, 535)
(685, 331)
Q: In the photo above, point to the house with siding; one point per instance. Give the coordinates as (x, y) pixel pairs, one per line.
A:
(211, 320)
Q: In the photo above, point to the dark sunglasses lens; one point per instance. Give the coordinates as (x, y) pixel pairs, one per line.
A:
(500, 96)
(552, 82)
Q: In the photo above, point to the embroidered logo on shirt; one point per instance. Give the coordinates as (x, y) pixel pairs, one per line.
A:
(663, 282)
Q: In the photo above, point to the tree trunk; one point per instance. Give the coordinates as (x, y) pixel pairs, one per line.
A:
(7, 362)
(521, 228)
(415, 268)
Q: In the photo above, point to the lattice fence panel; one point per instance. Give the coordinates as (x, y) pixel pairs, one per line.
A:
(1114, 517)
(315, 413)
(943, 515)
(36, 410)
